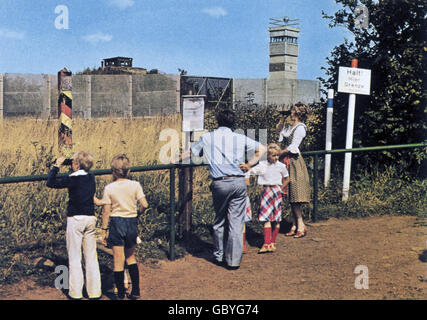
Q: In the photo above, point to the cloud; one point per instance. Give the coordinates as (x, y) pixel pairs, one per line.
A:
(5, 33)
(121, 4)
(215, 12)
(98, 37)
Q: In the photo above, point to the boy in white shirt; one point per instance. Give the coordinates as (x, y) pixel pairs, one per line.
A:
(272, 174)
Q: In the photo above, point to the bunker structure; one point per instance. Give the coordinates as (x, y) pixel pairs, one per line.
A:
(120, 65)
(117, 62)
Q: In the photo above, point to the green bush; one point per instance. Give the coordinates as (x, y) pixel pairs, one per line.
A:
(267, 117)
(375, 193)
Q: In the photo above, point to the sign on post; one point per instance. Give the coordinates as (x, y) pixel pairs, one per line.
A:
(354, 81)
(193, 113)
(193, 118)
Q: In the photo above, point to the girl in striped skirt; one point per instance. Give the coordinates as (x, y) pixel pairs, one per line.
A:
(272, 174)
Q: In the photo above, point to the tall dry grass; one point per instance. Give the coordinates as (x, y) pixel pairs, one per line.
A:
(32, 212)
(33, 217)
(25, 143)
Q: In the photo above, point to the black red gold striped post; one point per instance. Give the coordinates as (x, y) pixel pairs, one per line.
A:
(65, 111)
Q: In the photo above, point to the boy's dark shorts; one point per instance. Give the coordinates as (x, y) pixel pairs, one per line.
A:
(123, 232)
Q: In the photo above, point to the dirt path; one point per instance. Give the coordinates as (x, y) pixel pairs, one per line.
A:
(319, 266)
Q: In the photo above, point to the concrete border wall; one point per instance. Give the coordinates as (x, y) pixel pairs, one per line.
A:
(275, 91)
(138, 95)
(96, 96)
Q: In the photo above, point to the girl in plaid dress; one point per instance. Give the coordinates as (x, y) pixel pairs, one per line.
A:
(272, 174)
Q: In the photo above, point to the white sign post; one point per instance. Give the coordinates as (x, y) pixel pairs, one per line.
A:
(354, 81)
(328, 145)
(193, 113)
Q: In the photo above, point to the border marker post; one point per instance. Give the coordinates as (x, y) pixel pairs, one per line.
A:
(328, 145)
(65, 111)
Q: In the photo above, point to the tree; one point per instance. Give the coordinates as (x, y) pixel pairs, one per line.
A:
(393, 45)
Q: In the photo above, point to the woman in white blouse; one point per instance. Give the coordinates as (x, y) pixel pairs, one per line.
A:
(299, 184)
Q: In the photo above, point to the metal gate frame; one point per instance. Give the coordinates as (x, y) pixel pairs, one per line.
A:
(209, 88)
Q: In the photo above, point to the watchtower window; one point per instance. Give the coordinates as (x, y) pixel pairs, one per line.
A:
(284, 39)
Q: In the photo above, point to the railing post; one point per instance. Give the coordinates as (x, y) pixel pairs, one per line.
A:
(172, 213)
(315, 186)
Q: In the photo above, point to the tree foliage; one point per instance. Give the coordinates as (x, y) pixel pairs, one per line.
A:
(393, 45)
(253, 120)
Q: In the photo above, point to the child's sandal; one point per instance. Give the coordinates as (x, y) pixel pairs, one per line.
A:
(265, 249)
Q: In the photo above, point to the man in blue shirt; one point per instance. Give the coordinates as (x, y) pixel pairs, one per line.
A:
(225, 153)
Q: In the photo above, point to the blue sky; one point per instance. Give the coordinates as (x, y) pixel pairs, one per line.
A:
(224, 38)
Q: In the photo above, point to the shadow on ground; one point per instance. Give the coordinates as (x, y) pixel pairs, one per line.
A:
(107, 277)
(202, 247)
(423, 256)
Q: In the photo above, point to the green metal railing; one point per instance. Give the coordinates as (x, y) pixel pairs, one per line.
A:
(316, 155)
(99, 172)
(172, 167)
